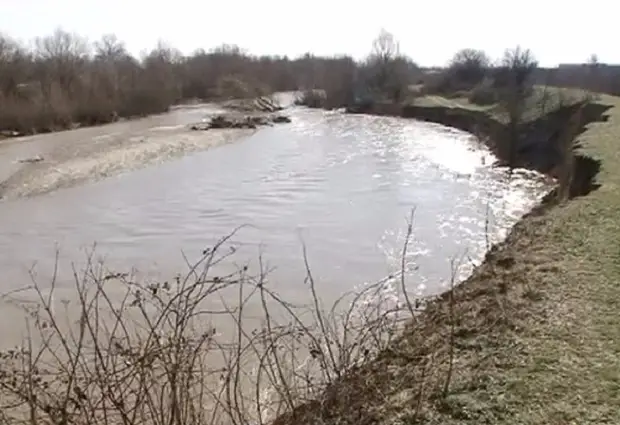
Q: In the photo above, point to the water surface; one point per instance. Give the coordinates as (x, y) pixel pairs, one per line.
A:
(343, 185)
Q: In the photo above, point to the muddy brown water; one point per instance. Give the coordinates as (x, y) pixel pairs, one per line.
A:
(343, 185)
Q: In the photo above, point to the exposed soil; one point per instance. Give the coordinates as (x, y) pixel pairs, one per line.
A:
(538, 146)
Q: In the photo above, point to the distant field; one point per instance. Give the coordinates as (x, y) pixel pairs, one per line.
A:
(543, 99)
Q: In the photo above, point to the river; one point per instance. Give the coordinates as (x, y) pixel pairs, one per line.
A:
(343, 185)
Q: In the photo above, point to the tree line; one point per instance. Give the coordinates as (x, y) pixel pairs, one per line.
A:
(62, 80)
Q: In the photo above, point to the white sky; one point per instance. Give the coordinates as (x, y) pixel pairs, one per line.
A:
(429, 31)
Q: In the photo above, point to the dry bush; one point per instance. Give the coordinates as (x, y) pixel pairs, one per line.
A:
(312, 99)
(483, 94)
(237, 87)
(78, 83)
(466, 71)
(130, 352)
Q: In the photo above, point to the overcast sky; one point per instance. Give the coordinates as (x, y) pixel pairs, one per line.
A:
(428, 31)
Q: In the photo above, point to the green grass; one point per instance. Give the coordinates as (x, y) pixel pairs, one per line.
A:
(536, 340)
(564, 355)
(550, 97)
(440, 101)
(560, 361)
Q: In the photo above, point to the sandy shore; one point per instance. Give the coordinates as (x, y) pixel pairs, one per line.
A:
(38, 164)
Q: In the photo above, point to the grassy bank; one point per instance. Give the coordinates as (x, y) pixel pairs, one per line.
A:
(533, 337)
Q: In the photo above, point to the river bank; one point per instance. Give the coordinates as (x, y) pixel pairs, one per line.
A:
(33, 165)
(532, 337)
(539, 143)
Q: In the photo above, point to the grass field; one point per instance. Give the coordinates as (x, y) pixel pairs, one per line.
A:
(547, 96)
(532, 338)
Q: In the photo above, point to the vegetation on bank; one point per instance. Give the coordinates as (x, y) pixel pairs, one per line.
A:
(532, 337)
(63, 80)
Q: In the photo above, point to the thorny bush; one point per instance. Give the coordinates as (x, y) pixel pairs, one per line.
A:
(149, 353)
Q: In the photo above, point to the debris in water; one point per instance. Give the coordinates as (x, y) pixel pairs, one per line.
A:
(37, 158)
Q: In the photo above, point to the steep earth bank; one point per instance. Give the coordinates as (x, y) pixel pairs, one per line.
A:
(538, 144)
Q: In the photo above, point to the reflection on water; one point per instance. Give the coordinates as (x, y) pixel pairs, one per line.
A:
(342, 185)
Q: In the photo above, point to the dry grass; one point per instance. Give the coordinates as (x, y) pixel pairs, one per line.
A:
(543, 100)
(440, 101)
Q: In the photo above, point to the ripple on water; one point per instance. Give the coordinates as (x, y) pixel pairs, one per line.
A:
(342, 184)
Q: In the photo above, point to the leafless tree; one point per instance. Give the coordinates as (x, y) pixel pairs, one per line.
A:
(468, 67)
(514, 84)
(13, 65)
(593, 73)
(388, 72)
(8, 48)
(385, 48)
(110, 48)
(62, 45)
(63, 55)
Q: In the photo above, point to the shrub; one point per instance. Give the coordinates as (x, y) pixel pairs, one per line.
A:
(130, 352)
(468, 68)
(312, 99)
(484, 94)
(236, 87)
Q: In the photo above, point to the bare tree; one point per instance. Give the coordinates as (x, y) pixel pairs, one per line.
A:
(594, 74)
(517, 67)
(62, 79)
(110, 48)
(388, 71)
(468, 67)
(514, 84)
(163, 67)
(385, 48)
(13, 64)
(64, 54)
(8, 47)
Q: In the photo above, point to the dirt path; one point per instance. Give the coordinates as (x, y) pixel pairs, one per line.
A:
(38, 164)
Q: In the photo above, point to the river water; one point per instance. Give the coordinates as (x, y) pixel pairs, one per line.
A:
(343, 185)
